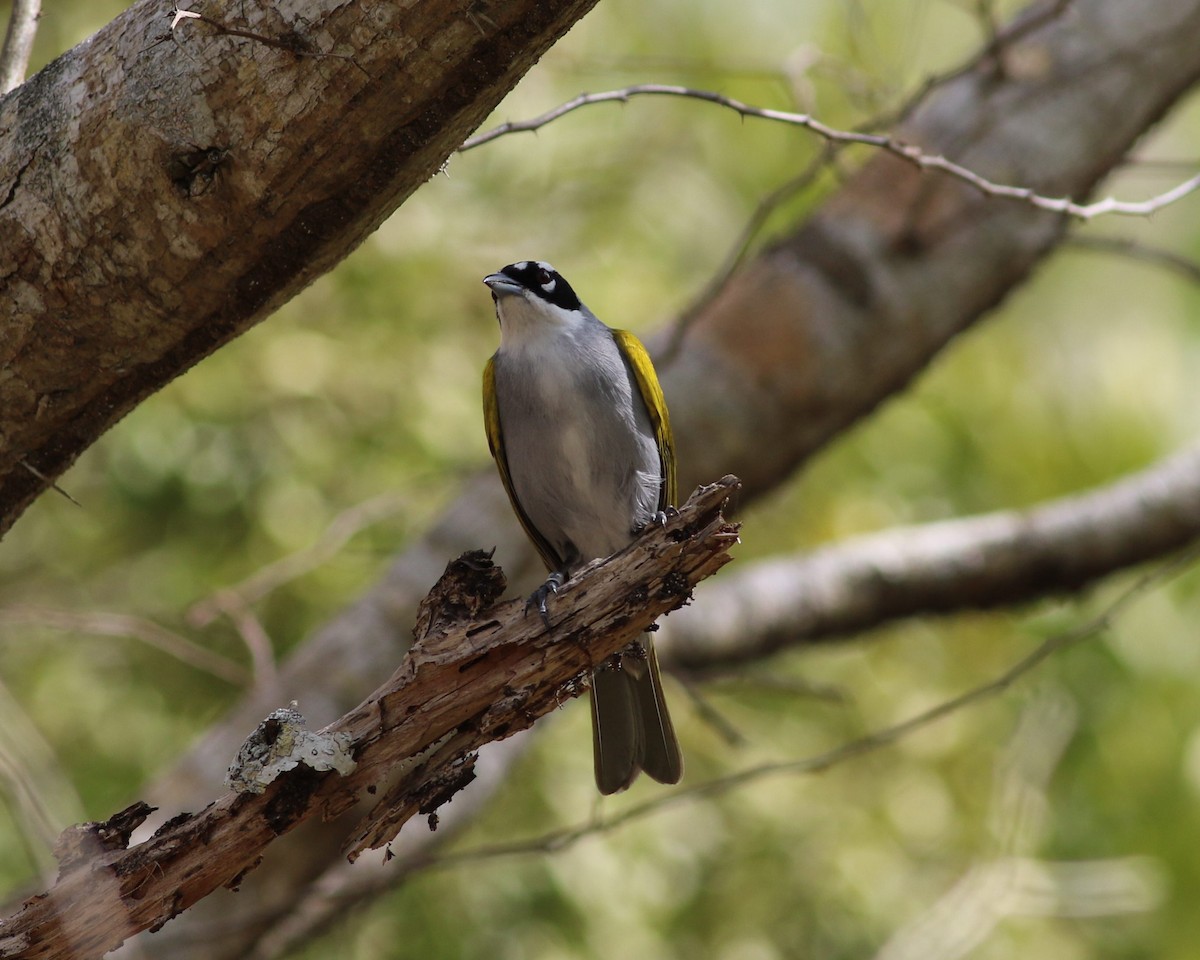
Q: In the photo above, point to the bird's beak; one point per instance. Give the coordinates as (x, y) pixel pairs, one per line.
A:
(502, 286)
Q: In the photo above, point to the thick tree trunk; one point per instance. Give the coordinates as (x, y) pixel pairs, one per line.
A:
(163, 189)
(845, 311)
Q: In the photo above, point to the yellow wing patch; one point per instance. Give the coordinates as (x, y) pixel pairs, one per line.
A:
(647, 380)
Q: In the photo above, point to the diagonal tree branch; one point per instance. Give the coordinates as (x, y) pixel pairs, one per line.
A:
(861, 583)
(124, 625)
(846, 309)
(162, 190)
(478, 672)
(964, 564)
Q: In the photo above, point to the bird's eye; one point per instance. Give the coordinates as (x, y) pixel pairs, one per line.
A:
(545, 278)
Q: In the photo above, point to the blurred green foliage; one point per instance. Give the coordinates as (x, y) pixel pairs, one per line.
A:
(368, 383)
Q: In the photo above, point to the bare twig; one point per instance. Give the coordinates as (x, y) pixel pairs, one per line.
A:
(707, 712)
(123, 625)
(1186, 267)
(741, 247)
(42, 799)
(254, 636)
(18, 43)
(1011, 882)
(45, 479)
(990, 53)
(885, 142)
(759, 681)
(985, 12)
(270, 578)
(998, 40)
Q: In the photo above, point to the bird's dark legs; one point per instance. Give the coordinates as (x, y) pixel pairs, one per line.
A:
(538, 598)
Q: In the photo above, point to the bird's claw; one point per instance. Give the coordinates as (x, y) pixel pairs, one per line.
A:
(538, 598)
(659, 519)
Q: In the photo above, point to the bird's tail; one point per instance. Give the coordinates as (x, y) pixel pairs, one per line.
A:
(631, 728)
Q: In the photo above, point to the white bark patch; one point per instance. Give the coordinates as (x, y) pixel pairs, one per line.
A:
(281, 743)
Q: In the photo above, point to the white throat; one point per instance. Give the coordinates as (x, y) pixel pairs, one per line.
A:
(527, 321)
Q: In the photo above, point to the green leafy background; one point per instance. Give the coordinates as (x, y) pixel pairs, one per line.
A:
(367, 384)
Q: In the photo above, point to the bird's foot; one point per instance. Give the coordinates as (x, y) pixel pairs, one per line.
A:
(538, 598)
(658, 520)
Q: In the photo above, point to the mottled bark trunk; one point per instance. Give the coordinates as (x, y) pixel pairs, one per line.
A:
(162, 190)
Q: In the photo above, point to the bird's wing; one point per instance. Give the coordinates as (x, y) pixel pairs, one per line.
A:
(647, 380)
(495, 438)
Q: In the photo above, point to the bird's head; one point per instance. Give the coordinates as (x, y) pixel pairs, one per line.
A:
(531, 293)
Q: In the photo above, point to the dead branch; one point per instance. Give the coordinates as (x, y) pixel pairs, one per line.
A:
(479, 671)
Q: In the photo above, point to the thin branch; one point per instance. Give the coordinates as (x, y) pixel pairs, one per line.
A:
(41, 798)
(255, 638)
(998, 40)
(742, 245)
(885, 142)
(124, 625)
(1010, 881)
(759, 682)
(953, 565)
(707, 712)
(991, 53)
(556, 840)
(254, 588)
(1186, 267)
(49, 482)
(985, 12)
(18, 43)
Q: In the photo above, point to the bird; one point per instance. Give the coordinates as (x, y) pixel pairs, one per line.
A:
(578, 426)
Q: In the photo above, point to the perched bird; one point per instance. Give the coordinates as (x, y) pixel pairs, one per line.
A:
(578, 426)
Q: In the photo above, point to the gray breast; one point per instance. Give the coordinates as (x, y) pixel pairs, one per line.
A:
(581, 452)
